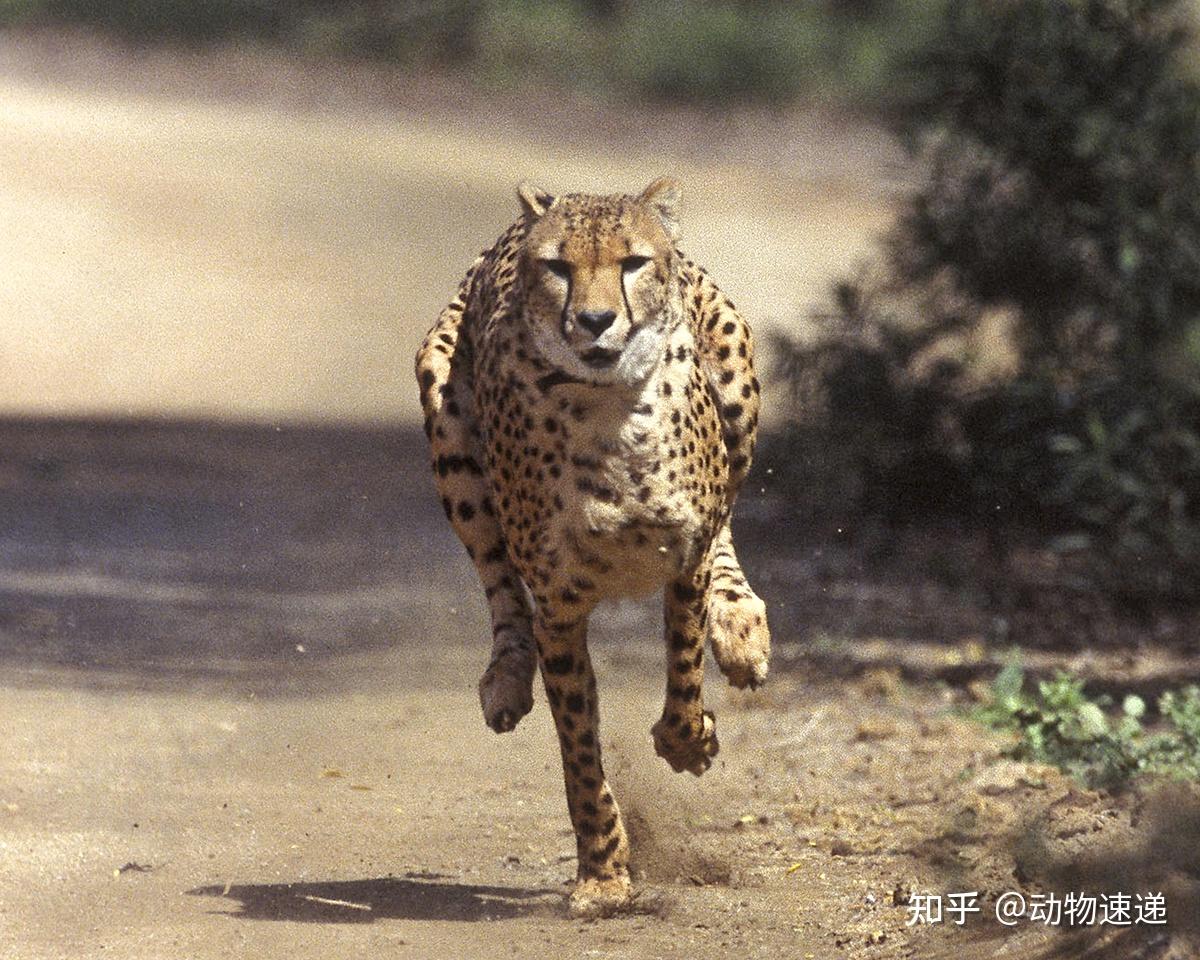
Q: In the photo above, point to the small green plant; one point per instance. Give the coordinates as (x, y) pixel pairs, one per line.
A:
(1061, 725)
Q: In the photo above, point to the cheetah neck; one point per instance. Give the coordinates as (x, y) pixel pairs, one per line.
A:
(623, 421)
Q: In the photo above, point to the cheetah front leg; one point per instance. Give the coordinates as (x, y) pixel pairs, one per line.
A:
(741, 639)
(686, 736)
(444, 374)
(602, 877)
(737, 623)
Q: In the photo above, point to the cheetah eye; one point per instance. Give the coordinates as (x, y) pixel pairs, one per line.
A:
(630, 264)
(560, 268)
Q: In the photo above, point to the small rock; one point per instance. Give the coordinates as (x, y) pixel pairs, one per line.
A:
(883, 682)
(1004, 777)
(980, 691)
(874, 730)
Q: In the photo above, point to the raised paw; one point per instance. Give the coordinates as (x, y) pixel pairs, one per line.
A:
(506, 690)
(594, 898)
(741, 640)
(686, 745)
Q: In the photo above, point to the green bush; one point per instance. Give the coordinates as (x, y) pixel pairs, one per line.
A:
(689, 50)
(1058, 724)
(208, 20)
(1064, 174)
(524, 40)
(1061, 145)
(713, 51)
(672, 50)
(444, 31)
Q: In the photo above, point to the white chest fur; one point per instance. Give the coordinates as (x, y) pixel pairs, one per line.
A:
(624, 502)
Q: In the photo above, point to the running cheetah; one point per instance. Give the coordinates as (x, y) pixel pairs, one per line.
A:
(591, 404)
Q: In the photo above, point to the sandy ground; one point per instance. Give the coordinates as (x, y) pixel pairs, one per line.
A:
(233, 237)
(239, 719)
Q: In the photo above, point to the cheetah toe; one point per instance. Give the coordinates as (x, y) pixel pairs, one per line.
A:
(594, 898)
(741, 640)
(506, 692)
(685, 746)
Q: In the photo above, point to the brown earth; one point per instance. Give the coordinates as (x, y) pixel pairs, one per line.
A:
(240, 720)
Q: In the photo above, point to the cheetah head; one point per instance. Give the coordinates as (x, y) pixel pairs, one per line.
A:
(598, 276)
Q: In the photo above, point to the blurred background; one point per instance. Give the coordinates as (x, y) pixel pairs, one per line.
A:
(253, 209)
(966, 235)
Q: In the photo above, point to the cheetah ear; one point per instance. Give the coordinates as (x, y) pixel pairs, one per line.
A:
(662, 196)
(534, 201)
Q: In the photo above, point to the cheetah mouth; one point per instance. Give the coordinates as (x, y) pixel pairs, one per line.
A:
(600, 357)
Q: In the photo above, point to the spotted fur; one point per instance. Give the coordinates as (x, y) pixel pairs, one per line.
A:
(591, 405)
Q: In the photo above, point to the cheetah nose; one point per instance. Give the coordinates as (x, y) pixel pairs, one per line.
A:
(596, 322)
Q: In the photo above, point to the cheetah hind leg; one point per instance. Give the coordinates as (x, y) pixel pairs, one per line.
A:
(737, 621)
(593, 898)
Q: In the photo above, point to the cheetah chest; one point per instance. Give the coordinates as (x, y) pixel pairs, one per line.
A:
(607, 492)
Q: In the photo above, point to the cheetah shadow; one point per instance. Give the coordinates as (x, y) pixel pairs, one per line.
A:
(415, 896)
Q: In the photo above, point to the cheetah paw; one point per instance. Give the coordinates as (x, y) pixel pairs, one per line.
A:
(594, 898)
(506, 692)
(684, 747)
(741, 640)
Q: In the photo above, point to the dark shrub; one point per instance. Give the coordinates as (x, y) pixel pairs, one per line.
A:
(208, 20)
(1061, 146)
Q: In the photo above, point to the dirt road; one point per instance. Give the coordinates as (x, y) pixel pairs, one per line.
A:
(237, 672)
(228, 237)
